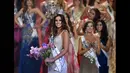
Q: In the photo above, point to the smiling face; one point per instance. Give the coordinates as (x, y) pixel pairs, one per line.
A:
(92, 14)
(89, 28)
(29, 3)
(76, 2)
(99, 26)
(58, 22)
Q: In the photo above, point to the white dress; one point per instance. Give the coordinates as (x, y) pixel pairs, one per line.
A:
(58, 44)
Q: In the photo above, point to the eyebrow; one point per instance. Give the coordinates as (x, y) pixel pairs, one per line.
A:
(56, 19)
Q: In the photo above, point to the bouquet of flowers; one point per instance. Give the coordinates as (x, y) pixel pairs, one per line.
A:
(42, 52)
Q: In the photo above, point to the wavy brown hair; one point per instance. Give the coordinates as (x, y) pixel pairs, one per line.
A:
(26, 7)
(63, 22)
(69, 23)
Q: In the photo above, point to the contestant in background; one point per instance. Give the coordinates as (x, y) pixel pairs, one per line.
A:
(106, 43)
(75, 13)
(72, 61)
(17, 38)
(29, 36)
(86, 48)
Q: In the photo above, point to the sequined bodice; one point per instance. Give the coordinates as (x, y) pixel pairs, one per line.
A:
(51, 9)
(28, 19)
(95, 43)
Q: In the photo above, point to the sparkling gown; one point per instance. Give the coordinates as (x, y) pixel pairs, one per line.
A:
(27, 64)
(86, 66)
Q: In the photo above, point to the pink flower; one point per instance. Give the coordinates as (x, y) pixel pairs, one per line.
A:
(44, 46)
(32, 50)
(51, 45)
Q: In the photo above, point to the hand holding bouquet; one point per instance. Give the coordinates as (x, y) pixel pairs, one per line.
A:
(42, 52)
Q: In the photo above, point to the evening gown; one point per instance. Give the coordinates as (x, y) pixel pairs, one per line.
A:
(76, 16)
(72, 60)
(27, 64)
(58, 43)
(17, 40)
(103, 60)
(86, 66)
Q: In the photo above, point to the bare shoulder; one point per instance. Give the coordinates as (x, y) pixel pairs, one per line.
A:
(65, 32)
(35, 10)
(43, 3)
(65, 1)
(21, 10)
(97, 36)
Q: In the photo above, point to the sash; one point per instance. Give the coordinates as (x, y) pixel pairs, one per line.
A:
(73, 43)
(91, 52)
(105, 53)
(55, 51)
(34, 33)
(59, 62)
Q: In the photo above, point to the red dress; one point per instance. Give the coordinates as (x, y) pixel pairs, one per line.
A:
(17, 39)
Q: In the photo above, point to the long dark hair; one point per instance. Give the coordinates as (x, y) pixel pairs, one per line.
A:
(91, 2)
(69, 23)
(97, 14)
(63, 22)
(26, 7)
(104, 32)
